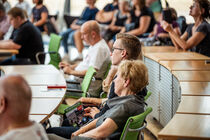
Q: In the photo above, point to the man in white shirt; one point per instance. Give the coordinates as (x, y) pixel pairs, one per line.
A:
(15, 103)
(25, 6)
(98, 56)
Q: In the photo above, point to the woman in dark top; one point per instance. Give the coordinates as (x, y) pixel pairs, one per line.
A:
(197, 35)
(142, 19)
(121, 17)
(39, 14)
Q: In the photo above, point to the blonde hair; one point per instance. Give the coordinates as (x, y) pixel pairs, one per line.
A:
(137, 72)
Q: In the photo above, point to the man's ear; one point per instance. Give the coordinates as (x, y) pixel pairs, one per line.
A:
(2, 105)
(124, 53)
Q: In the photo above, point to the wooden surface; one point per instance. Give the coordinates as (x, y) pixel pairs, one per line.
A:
(194, 105)
(8, 51)
(157, 49)
(183, 56)
(185, 65)
(187, 126)
(192, 76)
(195, 88)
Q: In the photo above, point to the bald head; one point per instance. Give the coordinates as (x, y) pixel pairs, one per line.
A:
(16, 94)
(91, 25)
(90, 32)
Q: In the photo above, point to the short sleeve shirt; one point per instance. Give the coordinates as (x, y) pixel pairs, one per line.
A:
(144, 12)
(29, 37)
(110, 7)
(88, 14)
(204, 46)
(37, 15)
(99, 57)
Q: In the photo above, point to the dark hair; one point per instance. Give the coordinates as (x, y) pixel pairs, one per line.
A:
(16, 12)
(173, 13)
(131, 44)
(40, 2)
(205, 4)
(2, 7)
(142, 4)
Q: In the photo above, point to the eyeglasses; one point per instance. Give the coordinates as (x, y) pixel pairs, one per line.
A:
(116, 49)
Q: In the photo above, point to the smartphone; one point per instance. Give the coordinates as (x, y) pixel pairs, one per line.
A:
(167, 15)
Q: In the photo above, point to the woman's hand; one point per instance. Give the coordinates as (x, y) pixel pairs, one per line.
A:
(166, 26)
(91, 111)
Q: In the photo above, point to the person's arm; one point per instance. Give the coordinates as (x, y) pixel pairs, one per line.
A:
(43, 19)
(9, 44)
(96, 101)
(144, 23)
(112, 26)
(85, 128)
(74, 26)
(154, 32)
(103, 16)
(184, 37)
(194, 40)
(70, 71)
(103, 131)
(32, 18)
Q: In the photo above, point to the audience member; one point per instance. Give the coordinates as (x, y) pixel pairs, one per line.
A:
(4, 22)
(159, 36)
(26, 38)
(121, 17)
(39, 14)
(105, 15)
(24, 5)
(142, 19)
(98, 56)
(88, 13)
(15, 103)
(126, 47)
(6, 5)
(197, 35)
(127, 104)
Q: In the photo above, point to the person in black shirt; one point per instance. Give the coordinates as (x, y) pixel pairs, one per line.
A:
(26, 38)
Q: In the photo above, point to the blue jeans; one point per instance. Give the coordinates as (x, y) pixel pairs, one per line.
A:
(66, 35)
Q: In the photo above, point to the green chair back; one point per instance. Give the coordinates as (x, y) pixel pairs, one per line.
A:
(134, 125)
(108, 68)
(87, 80)
(54, 46)
(147, 96)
